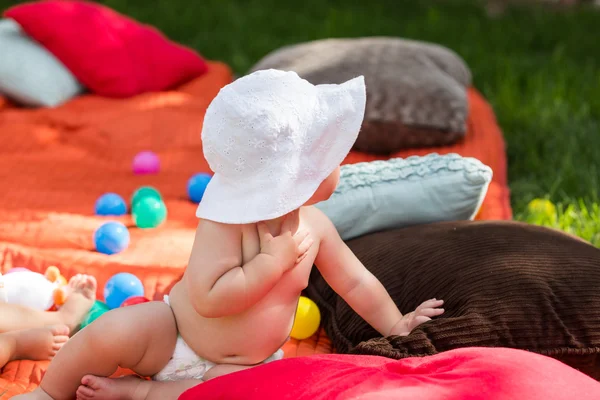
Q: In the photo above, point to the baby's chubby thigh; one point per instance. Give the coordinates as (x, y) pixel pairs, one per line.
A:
(140, 337)
(144, 335)
(153, 333)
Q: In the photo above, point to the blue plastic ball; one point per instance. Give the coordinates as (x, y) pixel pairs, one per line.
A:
(197, 185)
(110, 204)
(111, 238)
(120, 287)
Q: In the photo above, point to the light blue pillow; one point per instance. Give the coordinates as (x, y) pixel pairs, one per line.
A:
(379, 195)
(30, 74)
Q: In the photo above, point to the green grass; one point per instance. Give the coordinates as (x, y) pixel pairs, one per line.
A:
(540, 70)
(579, 219)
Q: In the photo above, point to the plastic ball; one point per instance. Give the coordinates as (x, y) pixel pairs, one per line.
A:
(541, 212)
(133, 300)
(144, 192)
(120, 287)
(98, 308)
(308, 319)
(149, 213)
(110, 204)
(197, 185)
(146, 162)
(111, 238)
(16, 269)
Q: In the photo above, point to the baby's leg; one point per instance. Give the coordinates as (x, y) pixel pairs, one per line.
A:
(141, 338)
(79, 302)
(16, 317)
(32, 344)
(131, 388)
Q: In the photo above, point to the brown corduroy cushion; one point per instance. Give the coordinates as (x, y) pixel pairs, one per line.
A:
(505, 284)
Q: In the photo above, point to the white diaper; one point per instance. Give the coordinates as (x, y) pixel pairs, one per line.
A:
(186, 364)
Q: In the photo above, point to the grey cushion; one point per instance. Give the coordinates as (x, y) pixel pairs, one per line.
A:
(30, 74)
(416, 91)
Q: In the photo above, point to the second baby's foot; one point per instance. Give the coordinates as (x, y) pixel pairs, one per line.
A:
(80, 300)
(37, 343)
(125, 388)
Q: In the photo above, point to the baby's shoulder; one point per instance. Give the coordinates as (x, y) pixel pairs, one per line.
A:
(315, 220)
(207, 228)
(312, 213)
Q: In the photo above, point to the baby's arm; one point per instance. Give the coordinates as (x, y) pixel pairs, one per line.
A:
(218, 283)
(348, 277)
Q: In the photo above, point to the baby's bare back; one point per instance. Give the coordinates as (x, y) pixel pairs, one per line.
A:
(252, 336)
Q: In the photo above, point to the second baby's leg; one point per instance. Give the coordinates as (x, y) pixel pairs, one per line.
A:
(141, 338)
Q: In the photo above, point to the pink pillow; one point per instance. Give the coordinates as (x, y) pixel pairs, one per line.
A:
(462, 374)
(107, 52)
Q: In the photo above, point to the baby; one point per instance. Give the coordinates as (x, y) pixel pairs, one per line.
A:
(275, 143)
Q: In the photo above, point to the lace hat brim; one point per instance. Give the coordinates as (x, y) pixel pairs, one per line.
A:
(295, 177)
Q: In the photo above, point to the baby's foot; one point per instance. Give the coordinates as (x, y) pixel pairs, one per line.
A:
(35, 344)
(125, 388)
(80, 300)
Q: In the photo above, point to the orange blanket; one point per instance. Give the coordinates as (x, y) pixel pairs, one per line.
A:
(54, 163)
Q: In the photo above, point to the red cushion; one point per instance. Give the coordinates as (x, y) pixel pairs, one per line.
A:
(109, 53)
(463, 374)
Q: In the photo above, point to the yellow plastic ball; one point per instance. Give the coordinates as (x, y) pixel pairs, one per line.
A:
(308, 319)
(542, 206)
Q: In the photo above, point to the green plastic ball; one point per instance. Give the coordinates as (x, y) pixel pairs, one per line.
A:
(145, 192)
(149, 213)
(96, 311)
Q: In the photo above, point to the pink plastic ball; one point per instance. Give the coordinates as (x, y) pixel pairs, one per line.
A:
(146, 162)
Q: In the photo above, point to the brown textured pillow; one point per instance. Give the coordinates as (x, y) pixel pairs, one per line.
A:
(416, 91)
(505, 284)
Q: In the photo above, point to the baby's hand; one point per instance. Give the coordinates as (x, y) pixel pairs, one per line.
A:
(288, 249)
(423, 313)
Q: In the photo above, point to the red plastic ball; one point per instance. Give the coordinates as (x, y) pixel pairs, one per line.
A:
(134, 300)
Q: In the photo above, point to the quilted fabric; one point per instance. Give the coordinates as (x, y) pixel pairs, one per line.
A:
(416, 91)
(21, 376)
(109, 53)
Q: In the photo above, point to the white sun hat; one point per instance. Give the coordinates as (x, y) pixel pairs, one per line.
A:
(271, 138)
